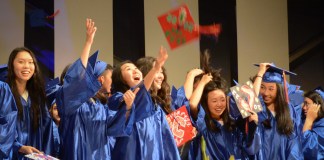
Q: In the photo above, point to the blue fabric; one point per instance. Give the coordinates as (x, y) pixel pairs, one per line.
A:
(42, 138)
(8, 117)
(278, 146)
(179, 99)
(313, 141)
(50, 90)
(275, 74)
(86, 124)
(151, 137)
(3, 72)
(97, 66)
(220, 145)
(56, 136)
(320, 92)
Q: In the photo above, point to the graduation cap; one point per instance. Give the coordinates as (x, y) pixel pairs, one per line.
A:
(179, 27)
(98, 66)
(3, 72)
(320, 91)
(277, 75)
(51, 87)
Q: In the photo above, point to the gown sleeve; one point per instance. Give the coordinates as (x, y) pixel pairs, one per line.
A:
(79, 86)
(8, 116)
(313, 141)
(293, 150)
(48, 146)
(310, 143)
(179, 98)
(253, 139)
(119, 125)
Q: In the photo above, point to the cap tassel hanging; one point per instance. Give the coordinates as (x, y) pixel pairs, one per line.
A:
(285, 87)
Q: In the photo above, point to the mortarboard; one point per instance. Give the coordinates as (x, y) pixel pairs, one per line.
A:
(179, 28)
(3, 72)
(98, 66)
(277, 75)
(320, 91)
(51, 87)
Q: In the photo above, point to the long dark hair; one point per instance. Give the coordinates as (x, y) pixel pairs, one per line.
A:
(316, 98)
(119, 84)
(218, 83)
(102, 95)
(35, 86)
(64, 73)
(161, 96)
(284, 122)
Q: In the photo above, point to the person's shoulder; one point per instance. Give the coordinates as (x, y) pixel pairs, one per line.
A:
(4, 85)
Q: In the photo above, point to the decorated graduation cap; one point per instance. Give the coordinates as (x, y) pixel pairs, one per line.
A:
(3, 72)
(277, 75)
(51, 87)
(98, 66)
(179, 27)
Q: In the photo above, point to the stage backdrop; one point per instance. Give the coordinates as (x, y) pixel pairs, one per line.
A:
(12, 16)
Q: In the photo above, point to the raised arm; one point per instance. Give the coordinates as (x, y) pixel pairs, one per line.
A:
(160, 60)
(91, 30)
(311, 116)
(188, 85)
(196, 95)
(257, 82)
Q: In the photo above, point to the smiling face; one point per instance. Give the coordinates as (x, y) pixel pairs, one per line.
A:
(268, 92)
(216, 101)
(131, 74)
(23, 66)
(158, 79)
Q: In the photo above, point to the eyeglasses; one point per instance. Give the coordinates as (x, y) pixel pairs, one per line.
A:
(307, 104)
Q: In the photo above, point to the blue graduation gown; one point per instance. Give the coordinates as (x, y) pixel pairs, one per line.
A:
(223, 144)
(42, 138)
(151, 137)
(313, 141)
(56, 137)
(179, 98)
(8, 117)
(86, 124)
(278, 146)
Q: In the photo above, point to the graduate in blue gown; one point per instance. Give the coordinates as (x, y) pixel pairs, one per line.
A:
(313, 125)
(279, 119)
(221, 135)
(86, 119)
(51, 87)
(151, 137)
(34, 124)
(160, 93)
(8, 117)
